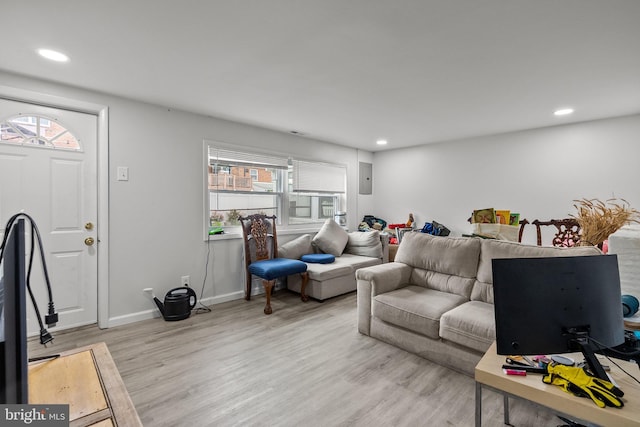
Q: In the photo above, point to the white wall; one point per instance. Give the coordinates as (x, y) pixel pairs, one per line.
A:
(156, 218)
(365, 201)
(537, 173)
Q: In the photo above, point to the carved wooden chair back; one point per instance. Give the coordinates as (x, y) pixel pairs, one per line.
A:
(260, 239)
(567, 234)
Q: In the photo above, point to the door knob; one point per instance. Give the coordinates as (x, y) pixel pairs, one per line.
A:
(89, 241)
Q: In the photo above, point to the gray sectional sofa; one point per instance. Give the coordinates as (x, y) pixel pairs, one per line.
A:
(352, 251)
(436, 298)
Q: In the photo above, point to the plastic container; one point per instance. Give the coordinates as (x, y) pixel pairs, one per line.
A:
(629, 305)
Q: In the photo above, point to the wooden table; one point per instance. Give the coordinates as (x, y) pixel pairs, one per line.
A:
(489, 374)
(88, 381)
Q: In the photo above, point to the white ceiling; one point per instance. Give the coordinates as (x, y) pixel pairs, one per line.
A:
(346, 71)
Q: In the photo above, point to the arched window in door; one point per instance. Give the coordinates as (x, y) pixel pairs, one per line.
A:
(37, 131)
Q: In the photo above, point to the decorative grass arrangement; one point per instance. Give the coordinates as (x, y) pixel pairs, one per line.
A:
(598, 220)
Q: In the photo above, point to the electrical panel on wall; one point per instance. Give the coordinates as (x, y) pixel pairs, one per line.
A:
(365, 185)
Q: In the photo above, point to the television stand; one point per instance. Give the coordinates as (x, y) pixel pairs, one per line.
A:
(88, 381)
(594, 365)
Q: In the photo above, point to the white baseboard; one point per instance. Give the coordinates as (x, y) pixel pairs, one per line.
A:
(256, 289)
(133, 317)
(153, 313)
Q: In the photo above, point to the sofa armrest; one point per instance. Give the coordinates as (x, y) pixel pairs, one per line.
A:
(384, 239)
(376, 280)
(383, 278)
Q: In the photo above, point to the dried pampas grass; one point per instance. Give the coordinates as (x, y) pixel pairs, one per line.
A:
(598, 220)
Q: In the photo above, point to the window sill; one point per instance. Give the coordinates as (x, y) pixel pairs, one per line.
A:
(281, 232)
(290, 231)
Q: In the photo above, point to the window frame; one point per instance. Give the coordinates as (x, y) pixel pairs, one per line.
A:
(285, 192)
(37, 141)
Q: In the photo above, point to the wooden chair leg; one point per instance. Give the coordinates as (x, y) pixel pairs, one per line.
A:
(247, 290)
(268, 286)
(305, 278)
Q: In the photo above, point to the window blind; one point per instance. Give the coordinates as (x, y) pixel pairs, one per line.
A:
(239, 158)
(315, 177)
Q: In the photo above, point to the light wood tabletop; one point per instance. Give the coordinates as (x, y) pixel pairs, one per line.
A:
(489, 373)
(88, 381)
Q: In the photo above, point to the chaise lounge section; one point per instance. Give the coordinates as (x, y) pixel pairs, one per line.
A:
(351, 251)
(436, 298)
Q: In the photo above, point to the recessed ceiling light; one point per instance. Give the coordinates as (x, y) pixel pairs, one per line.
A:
(53, 55)
(381, 142)
(563, 112)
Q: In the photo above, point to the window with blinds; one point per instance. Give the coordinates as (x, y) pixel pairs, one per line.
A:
(241, 183)
(316, 177)
(316, 191)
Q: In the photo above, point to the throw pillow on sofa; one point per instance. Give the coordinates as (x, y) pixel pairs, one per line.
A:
(365, 243)
(296, 248)
(331, 238)
(318, 258)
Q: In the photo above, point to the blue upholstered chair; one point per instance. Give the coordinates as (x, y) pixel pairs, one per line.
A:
(261, 256)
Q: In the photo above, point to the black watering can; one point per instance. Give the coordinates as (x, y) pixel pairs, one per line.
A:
(178, 303)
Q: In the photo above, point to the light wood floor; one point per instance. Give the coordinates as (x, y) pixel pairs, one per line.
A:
(304, 365)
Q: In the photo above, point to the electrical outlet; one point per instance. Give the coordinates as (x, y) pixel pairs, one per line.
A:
(184, 281)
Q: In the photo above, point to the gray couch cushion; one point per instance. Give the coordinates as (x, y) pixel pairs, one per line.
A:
(442, 282)
(297, 247)
(415, 308)
(456, 256)
(365, 243)
(322, 272)
(331, 238)
(357, 261)
(471, 324)
(483, 289)
(347, 264)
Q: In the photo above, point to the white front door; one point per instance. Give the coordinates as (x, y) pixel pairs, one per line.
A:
(56, 184)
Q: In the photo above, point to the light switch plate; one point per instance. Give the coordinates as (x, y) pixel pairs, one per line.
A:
(123, 173)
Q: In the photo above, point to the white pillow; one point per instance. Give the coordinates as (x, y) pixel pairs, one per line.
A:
(331, 238)
(296, 248)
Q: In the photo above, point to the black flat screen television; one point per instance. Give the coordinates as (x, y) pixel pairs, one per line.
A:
(13, 323)
(558, 305)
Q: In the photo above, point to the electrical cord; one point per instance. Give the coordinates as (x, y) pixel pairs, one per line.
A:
(622, 353)
(40, 358)
(613, 350)
(45, 336)
(622, 369)
(52, 317)
(204, 308)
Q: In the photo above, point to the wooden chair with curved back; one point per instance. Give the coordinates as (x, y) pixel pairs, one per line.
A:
(261, 256)
(523, 223)
(567, 234)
